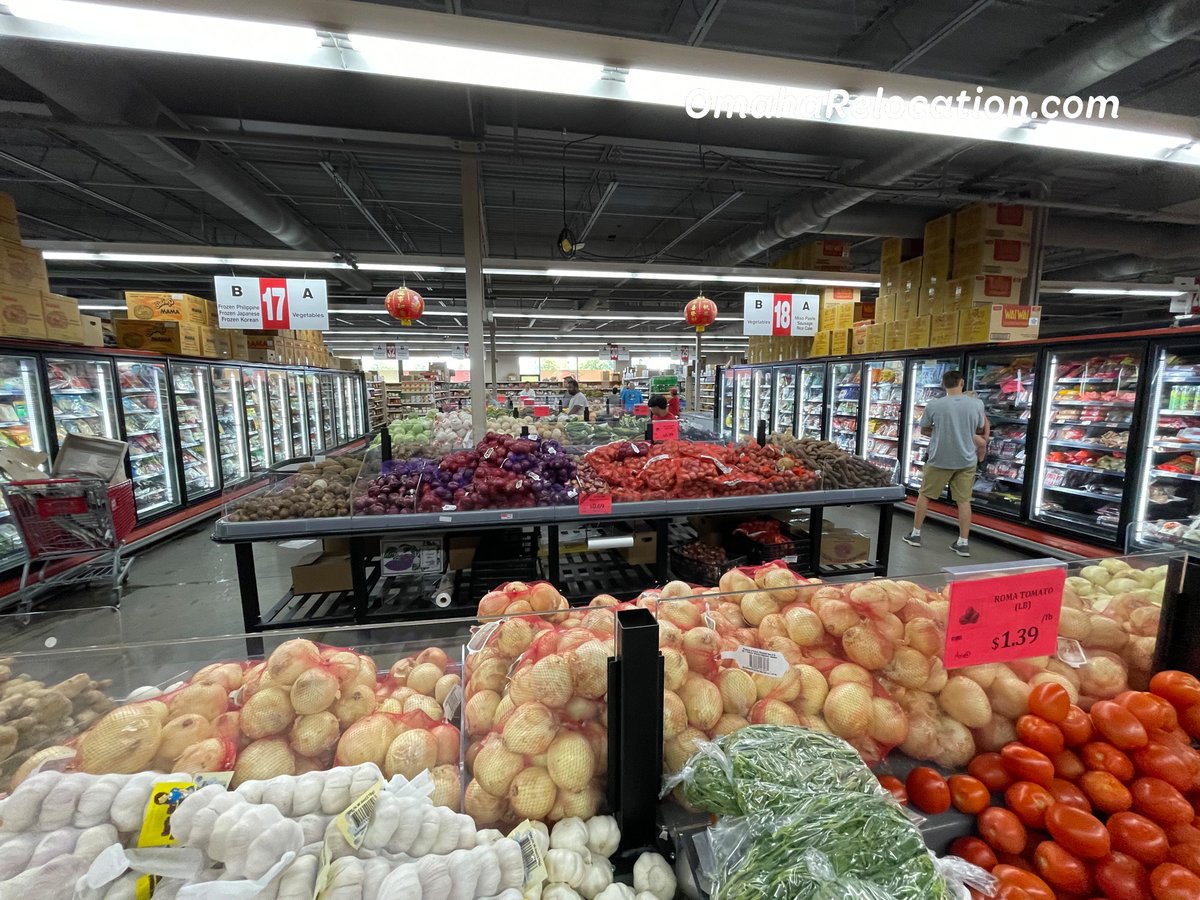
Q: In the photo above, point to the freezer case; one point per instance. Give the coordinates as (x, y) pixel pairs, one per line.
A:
(312, 400)
(810, 402)
(1087, 413)
(278, 416)
(783, 410)
(230, 413)
(198, 451)
(1169, 481)
(328, 410)
(83, 398)
(845, 401)
(22, 425)
(254, 396)
(1006, 384)
(924, 384)
(298, 413)
(763, 382)
(743, 409)
(354, 406)
(885, 407)
(724, 416)
(146, 412)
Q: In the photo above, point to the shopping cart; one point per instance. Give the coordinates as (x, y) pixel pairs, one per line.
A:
(79, 523)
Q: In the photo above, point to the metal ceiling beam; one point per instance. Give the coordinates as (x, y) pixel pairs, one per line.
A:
(943, 31)
(609, 190)
(708, 18)
(736, 195)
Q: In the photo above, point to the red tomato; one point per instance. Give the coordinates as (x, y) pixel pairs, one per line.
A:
(1013, 879)
(1186, 855)
(1180, 688)
(1157, 800)
(1102, 757)
(1065, 792)
(1189, 721)
(895, 787)
(1076, 727)
(1002, 829)
(1062, 870)
(1151, 711)
(1026, 764)
(1119, 726)
(1030, 802)
(1138, 837)
(1068, 765)
(1079, 832)
(974, 850)
(1038, 733)
(1122, 877)
(927, 790)
(1171, 881)
(1050, 700)
(1182, 834)
(989, 768)
(969, 794)
(1106, 793)
(1162, 762)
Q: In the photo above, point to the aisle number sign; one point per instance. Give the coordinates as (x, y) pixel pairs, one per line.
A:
(272, 304)
(389, 351)
(781, 315)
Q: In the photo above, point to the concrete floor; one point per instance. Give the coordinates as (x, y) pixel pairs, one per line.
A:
(186, 587)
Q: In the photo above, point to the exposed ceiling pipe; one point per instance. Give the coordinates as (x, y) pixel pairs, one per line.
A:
(1154, 241)
(1123, 268)
(1081, 58)
(108, 95)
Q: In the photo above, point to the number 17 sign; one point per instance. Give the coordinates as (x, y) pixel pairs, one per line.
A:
(276, 304)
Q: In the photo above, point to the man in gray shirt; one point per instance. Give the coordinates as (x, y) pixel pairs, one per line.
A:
(957, 430)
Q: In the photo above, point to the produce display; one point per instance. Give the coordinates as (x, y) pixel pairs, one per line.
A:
(317, 490)
(838, 468)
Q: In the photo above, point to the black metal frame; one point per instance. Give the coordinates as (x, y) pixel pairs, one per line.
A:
(186, 497)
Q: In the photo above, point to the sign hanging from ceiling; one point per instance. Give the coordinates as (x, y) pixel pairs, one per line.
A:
(781, 315)
(272, 304)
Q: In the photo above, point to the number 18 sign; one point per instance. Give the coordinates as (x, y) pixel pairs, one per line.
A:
(786, 315)
(276, 304)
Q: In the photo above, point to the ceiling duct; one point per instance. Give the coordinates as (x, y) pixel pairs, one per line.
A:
(1081, 58)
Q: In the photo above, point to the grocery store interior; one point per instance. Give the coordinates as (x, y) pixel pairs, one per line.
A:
(331, 331)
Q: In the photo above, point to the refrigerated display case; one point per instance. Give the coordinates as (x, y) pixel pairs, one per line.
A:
(354, 407)
(763, 381)
(298, 412)
(783, 410)
(197, 437)
(845, 401)
(231, 424)
(924, 384)
(278, 416)
(1088, 407)
(1006, 384)
(328, 410)
(254, 394)
(724, 417)
(312, 402)
(82, 397)
(145, 410)
(339, 410)
(810, 400)
(22, 424)
(742, 409)
(885, 406)
(1169, 481)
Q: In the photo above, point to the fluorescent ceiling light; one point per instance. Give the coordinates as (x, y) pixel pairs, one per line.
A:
(604, 317)
(403, 267)
(1062, 135)
(1125, 292)
(612, 275)
(187, 260)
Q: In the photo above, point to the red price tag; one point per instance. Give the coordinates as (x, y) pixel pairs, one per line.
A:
(274, 300)
(641, 409)
(541, 411)
(595, 504)
(1003, 618)
(665, 429)
(502, 398)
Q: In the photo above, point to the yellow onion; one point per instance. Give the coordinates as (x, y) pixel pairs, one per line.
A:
(446, 787)
(425, 704)
(702, 649)
(674, 715)
(678, 750)
(889, 722)
(496, 766)
(581, 709)
(484, 808)
(994, 735)
(757, 605)
(367, 740)
(773, 712)
(314, 691)
(448, 743)
(315, 734)
(848, 710)
(570, 761)
(444, 686)
(208, 699)
(782, 583)
(264, 759)
(50, 758)
(580, 804)
(589, 668)
(738, 691)
(674, 590)
(849, 673)
(433, 656)
(922, 739)
(865, 645)
(735, 582)
(675, 668)
(179, 734)
(268, 712)
(228, 675)
(837, 616)
(804, 626)
(728, 724)
(410, 754)
(355, 703)
(344, 666)
(965, 701)
(909, 667)
(530, 729)
(532, 793)
(513, 637)
(551, 681)
(955, 744)
(813, 690)
(209, 755)
(123, 742)
(423, 678)
(1009, 696)
(702, 700)
(290, 659)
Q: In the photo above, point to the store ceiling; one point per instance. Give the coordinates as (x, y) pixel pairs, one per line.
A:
(652, 185)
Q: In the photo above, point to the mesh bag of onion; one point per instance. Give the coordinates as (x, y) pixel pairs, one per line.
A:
(515, 598)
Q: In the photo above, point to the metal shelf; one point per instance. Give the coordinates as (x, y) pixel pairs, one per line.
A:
(1091, 470)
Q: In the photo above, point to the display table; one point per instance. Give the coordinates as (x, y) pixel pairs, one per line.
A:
(366, 602)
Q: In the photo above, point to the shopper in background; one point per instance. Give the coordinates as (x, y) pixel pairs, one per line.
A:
(954, 425)
(528, 393)
(673, 403)
(575, 403)
(630, 397)
(660, 408)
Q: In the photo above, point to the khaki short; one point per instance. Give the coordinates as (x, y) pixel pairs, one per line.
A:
(961, 482)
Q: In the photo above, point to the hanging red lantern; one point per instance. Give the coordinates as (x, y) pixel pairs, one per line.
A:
(405, 304)
(700, 312)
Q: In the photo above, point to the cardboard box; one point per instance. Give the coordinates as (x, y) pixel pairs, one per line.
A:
(839, 342)
(22, 268)
(967, 292)
(460, 551)
(909, 303)
(221, 343)
(21, 314)
(941, 298)
(982, 220)
(261, 356)
(238, 346)
(885, 307)
(150, 306)
(644, 550)
(840, 295)
(61, 315)
(825, 253)
(939, 234)
(992, 256)
(916, 335)
(820, 344)
(9, 229)
(858, 339)
(875, 337)
(889, 278)
(837, 315)
(841, 546)
(925, 300)
(182, 338)
(910, 273)
(999, 323)
(894, 251)
(326, 574)
(256, 341)
(93, 331)
(895, 335)
(943, 330)
(208, 342)
(936, 265)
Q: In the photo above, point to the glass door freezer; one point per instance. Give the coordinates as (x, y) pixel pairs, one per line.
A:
(22, 425)
(83, 398)
(725, 402)
(312, 402)
(783, 410)
(198, 452)
(810, 402)
(1007, 384)
(298, 414)
(743, 411)
(924, 384)
(845, 405)
(1169, 478)
(884, 415)
(150, 431)
(254, 396)
(278, 416)
(763, 383)
(328, 411)
(232, 427)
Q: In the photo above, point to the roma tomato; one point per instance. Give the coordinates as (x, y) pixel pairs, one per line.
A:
(1119, 726)
(1182, 689)
(1157, 800)
(989, 768)
(1026, 764)
(969, 794)
(895, 787)
(1159, 761)
(1186, 855)
(1103, 757)
(1013, 879)
(1138, 837)
(1106, 793)
(1078, 832)
(1189, 721)
(1002, 829)
(1152, 711)
(1065, 792)
(1182, 834)
(1171, 881)
(975, 851)
(1068, 765)
(1122, 877)
(927, 790)
(1060, 869)
(1076, 727)
(1050, 700)
(1040, 734)
(1029, 801)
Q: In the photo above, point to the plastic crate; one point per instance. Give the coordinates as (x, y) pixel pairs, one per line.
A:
(684, 568)
(503, 556)
(794, 552)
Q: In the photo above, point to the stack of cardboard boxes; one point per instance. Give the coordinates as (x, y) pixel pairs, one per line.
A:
(818, 256)
(28, 310)
(289, 348)
(846, 323)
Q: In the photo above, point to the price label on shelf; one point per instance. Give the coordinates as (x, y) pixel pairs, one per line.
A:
(665, 429)
(595, 504)
(641, 409)
(527, 401)
(1004, 617)
(502, 398)
(541, 411)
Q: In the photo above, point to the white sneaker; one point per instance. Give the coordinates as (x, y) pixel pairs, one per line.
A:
(961, 549)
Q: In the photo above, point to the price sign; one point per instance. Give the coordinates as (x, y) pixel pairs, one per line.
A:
(641, 409)
(502, 398)
(541, 411)
(274, 304)
(781, 315)
(595, 504)
(665, 429)
(527, 401)
(1003, 618)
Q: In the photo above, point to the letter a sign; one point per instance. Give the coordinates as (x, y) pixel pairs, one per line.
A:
(788, 315)
(277, 304)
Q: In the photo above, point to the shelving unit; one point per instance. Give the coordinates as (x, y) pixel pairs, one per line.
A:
(376, 412)
(885, 402)
(1006, 387)
(844, 405)
(925, 384)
